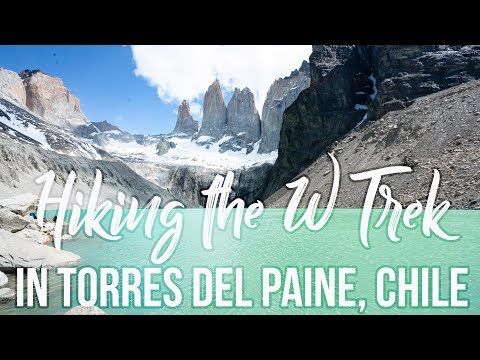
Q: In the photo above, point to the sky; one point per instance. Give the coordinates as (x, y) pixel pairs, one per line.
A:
(139, 88)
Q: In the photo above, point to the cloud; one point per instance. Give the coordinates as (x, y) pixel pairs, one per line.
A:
(185, 71)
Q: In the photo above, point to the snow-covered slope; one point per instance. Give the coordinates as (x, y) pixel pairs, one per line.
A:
(22, 125)
(185, 166)
(187, 152)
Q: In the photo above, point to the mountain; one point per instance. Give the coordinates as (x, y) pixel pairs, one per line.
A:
(282, 93)
(186, 161)
(22, 125)
(185, 123)
(38, 109)
(31, 145)
(438, 131)
(45, 96)
(12, 88)
(353, 85)
(23, 162)
(214, 113)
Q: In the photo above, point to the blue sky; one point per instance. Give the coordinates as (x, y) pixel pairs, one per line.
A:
(103, 78)
(139, 88)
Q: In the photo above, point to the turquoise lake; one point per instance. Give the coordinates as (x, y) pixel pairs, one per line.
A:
(337, 244)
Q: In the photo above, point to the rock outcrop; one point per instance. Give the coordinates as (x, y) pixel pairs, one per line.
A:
(354, 84)
(405, 73)
(12, 222)
(21, 204)
(185, 123)
(325, 57)
(163, 146)
(282, 93)
(48, 98)
(15, 251)
(439, 131)
(189, 181)
(6, 294)
(21, 125)
(214, 113)
(243, 122)
(3, 279)
(11, 86)
(242, 115)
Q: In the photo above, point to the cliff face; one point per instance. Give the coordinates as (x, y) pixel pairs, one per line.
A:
(11, 86)
(405, 73)
(243, 122)
(320, 114)
(354, 84)
(242, 116)
(185, 123)
(214, 113)
(438, 131)
(48, 98)
(282, 93)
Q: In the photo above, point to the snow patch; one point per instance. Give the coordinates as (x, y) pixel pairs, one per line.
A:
(374, 81)
(361, 107)
(25, 128)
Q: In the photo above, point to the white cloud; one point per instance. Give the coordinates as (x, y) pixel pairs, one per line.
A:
(185, 71)
(196, 110)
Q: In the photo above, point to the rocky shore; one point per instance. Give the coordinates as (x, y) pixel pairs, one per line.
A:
(25, 244)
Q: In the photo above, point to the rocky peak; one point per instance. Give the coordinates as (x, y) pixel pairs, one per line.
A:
(104, 126)
(242, 115)
(27, 73)
(325, 57)
(243, 122)
(354, 84)
(214, 112)
(185, 123)
(11, 86)
(282, 94)
(48, 98)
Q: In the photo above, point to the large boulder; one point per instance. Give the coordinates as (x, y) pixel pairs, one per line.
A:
(85, 310)
(16, 251)
(21, 204)
(39, 237)
(3, 279)
(6, 295)
(163, 146)
(12, 222)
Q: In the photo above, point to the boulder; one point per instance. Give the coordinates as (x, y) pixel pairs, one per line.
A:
(21, 204)
(163, 146)
(3, 279)
(36, 236)
(16, 251)
(6, 295)
(12, 222)
(85, 310)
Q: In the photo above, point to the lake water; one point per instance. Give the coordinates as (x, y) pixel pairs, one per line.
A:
(338, 244)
